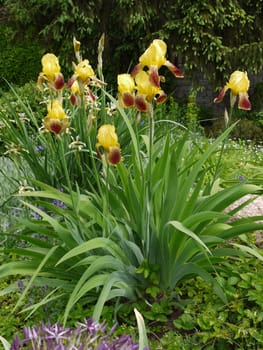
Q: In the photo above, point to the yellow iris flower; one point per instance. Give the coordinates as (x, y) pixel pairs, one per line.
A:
(108, 139)
(56, 120)
(50, 65)
(239, 86)
(126, 87)
(51, 71)
(145, 87)
(146, 92)
(84, 71)
(155, 57)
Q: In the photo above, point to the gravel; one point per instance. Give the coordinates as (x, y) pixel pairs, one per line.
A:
(254, 208)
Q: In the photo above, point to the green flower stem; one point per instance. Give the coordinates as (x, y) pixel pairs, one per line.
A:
(103, 113)
(64, 163)
(106, 202)
(219, 162)
(149, 184)
(95, 170)
(139, 157)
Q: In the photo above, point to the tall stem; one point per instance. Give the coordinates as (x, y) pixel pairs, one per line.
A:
(149, 183)
(229, 116)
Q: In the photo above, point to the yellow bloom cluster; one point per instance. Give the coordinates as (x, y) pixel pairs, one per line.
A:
(56, 120)
(141, 87)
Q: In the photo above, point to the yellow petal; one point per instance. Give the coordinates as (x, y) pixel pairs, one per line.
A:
(145, 87)
(107, 136)
(238, 82)
(56, 111)
(155, 54)
(125, 83)
(84, 71)
(50, 65)
(75, 88)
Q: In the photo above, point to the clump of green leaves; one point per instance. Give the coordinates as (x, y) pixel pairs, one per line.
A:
(237, 323)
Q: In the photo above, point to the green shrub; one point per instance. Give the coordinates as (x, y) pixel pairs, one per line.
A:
(237, 324)
(19, 62)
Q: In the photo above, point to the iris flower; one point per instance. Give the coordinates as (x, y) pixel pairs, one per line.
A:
(142, 86)
(238, 85)
(83, 73)
(126, 87)
(146, 92)
(56, 120)
(51, 71)
(108, 140)
(154, 58)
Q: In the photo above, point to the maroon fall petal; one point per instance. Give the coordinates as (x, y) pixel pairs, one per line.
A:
(59, 81)
(128, 99)
(154, 76)
(114, 156)
(136, 69)
(71, 81)
(244, 102)
(56, 127)
(141, 104)
(176, 71)
(73, 99)
(220, 96)
(161, 98)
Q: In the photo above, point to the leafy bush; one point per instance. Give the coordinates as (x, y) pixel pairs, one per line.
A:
(85, 255)
(236, 324)
(19, 63)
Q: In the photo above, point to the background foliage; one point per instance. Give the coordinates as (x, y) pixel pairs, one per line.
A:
(212, 37)
(13, 58)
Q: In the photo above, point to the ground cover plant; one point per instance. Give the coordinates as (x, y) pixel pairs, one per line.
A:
(119, 208)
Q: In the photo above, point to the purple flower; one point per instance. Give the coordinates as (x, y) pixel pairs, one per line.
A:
(241, 178)
(104, 346)
(89, 326)
(39, 148)
(88, 335)
(16, 343)
(124, 342)
(58, 203)
(31, 334)
(56, 332)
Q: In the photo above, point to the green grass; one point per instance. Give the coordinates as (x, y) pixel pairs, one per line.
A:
(243, 161)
